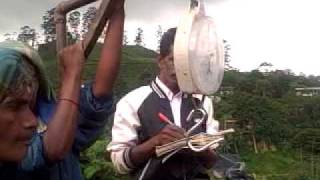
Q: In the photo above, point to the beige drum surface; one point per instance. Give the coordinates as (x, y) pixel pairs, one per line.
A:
(198, 53)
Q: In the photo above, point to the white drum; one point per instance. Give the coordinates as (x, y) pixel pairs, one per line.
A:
(198, 52)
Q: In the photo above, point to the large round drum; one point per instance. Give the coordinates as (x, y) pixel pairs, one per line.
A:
(198, 53)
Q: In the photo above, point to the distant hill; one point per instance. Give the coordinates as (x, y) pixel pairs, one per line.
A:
(130, 52)
(138, 52)
(138, 66)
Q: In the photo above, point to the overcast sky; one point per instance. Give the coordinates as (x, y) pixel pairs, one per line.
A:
(285, 33)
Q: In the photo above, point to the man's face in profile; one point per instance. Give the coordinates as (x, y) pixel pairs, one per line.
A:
(167, 69)
(17, 125)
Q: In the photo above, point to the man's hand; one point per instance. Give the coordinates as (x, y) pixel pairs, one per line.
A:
(168, 134)
(72, 59)
(141, 153)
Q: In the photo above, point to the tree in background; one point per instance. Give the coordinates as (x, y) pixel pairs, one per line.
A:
(7, 36)
(27, 35)
(74, 23)
(227, 56)
(10, 36)
(159, 35)
(48, 26)
(139, 37)
(265, 67)
(87, 19)
(268, 104)
(125, 39)
(70, 38)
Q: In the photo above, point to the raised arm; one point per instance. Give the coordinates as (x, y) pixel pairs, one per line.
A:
(108, 67)
(96, 98)
(59, 136)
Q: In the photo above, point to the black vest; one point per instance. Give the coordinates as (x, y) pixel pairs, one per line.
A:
(181, 164)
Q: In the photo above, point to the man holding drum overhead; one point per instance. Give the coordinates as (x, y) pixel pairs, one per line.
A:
(155, 115)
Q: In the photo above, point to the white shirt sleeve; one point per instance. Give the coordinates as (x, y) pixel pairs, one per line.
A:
(212, 124)
(124, 129)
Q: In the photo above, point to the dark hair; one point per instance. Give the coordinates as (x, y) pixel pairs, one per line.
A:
(167, 40)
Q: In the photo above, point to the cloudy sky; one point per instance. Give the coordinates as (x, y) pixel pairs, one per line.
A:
(285, 33)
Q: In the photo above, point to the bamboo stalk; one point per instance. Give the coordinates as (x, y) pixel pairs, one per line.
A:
(198, 140)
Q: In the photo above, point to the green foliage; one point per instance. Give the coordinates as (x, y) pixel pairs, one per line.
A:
(74, 22)
(227, 55)
(307, 139)
(279, 165)
(27, 35)
(95, 166)
(260, 113)
(48, 26)
(265, 104)
(273, 162)
(139, 37)
(87, 19)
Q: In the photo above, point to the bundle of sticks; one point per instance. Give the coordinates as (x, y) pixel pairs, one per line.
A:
(198, 140)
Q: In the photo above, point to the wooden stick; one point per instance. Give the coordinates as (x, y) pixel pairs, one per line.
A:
(96, 28)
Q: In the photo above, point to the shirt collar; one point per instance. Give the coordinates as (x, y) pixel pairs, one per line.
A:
(167, 91)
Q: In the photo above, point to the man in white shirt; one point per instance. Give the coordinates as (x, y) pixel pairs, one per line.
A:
(138, 128)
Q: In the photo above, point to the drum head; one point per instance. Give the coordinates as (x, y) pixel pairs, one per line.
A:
(206, 56)
(199, 55)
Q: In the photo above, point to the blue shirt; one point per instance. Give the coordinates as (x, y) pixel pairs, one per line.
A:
(92, 119)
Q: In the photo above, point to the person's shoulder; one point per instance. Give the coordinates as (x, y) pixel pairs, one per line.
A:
(138, 92)
(137, 95)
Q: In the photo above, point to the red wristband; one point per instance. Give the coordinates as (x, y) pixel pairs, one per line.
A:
(70, 100)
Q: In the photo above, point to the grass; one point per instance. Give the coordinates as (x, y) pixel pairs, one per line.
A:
(280, 165)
